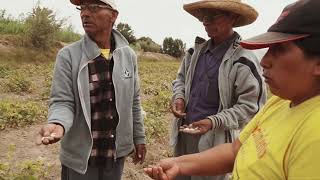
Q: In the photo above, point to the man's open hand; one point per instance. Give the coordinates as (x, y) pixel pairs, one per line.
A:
(49, 134)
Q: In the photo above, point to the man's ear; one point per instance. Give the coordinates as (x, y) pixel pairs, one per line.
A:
(114, 15)
(316, 70)
(234, 17)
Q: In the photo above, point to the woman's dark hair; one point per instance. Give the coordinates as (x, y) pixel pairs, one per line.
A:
(308, 48)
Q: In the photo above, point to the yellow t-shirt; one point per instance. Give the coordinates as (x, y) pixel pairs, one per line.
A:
(281, 143)
(105, 53)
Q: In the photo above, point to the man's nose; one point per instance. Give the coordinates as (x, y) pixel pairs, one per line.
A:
(84, 12)
(266, 62)
(206, 20)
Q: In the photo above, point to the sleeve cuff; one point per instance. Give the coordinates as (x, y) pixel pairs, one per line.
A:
(216, 122)
(65, 129)
(178, 96)
(139, 141)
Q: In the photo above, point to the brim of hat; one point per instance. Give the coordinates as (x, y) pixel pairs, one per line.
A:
(247, 14)
(79, 2)
(76, 2)
(270, 38)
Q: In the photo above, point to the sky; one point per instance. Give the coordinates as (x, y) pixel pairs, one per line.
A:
(156, 19)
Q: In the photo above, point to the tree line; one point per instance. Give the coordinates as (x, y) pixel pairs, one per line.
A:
(173, 47)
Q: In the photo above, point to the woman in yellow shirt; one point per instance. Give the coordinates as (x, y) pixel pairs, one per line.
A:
(283, 140)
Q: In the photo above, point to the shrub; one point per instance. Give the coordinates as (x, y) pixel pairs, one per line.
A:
(135, 46)
(42, 27)
(127, 32)
(148, 45)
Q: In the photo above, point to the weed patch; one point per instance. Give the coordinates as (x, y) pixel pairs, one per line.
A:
(25, 170)
(20, 113)
(4, 71)
(156, 78)
(17, 82)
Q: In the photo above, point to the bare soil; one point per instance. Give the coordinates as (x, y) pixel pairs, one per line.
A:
(25, 149)
(23, 138)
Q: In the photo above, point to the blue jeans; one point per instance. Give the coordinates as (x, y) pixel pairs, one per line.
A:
(113, 172)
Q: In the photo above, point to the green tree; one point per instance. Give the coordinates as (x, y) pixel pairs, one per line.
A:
(148, 45)
(173, 47)
(42, 27)
(127, 32)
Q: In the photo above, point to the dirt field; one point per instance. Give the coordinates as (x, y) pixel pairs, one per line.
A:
(26, 149)
(17, 145)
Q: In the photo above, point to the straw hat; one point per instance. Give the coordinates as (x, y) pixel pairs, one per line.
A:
(247, 14)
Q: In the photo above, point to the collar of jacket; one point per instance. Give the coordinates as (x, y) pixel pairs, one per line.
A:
(201, 44)
(92, 50)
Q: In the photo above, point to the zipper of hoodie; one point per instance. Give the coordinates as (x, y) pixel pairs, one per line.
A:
(83, 105)
(115, 92)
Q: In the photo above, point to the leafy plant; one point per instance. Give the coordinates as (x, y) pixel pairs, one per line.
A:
(19, 113)
(42, 27)
(148, 45)
(47, 74)
(173, 47)
(67, 35)
(17, 82)
(4, 71)
(156, 78)
(127, 32)
(9, 25)
(25, 170)
(39, 29)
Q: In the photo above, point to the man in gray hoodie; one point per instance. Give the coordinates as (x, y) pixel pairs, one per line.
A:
(95, 104)
(219, 87)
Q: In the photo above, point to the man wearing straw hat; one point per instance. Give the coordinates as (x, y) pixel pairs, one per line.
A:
(95, 103)
(282, 141)
(219, 86)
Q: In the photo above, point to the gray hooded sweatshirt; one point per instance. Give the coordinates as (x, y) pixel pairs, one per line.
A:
(70, 100)
(241, 89)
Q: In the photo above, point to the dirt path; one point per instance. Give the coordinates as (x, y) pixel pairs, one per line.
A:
(25, 149)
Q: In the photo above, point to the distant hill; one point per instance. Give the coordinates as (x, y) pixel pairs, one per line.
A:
(154, 56)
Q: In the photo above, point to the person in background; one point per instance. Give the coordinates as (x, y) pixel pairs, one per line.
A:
(283, 139)
(219, 86)
(95, 104)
